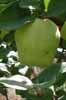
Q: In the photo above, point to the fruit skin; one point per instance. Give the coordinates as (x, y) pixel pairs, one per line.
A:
(63, 31)
(37, 42)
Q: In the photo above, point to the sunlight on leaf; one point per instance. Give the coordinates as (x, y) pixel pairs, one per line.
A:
(46, 3)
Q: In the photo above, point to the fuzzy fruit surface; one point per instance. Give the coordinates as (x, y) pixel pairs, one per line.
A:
(37, 42)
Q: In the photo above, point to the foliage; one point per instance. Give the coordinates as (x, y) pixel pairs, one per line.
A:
(50, 83)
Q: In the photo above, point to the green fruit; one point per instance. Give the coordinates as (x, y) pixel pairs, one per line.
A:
(37, 42)
(63, 31)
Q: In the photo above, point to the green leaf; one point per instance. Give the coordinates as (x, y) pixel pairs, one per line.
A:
(5, 6)
(3, 1)
(8, 38)
(3, 52)
(61, 79)
(6, 1)
(62, 17)
(64, 44)
(46, 3)
(3, 33)
(56, 7)
(27, 3)
(14, 17)
(46, 95)
(62, 75)
(61, 95)
(48, 77)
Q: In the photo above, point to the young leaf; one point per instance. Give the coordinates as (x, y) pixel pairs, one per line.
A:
(46, 3)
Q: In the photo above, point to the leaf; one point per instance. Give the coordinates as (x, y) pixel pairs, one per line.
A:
(61, 95)
(17, 82)
(2, 7)
(46, 3)
(8, 38)
(62, 75)
(48, 77)
(14, 17)
(56, 7)
(46, 95)
(3, 1)
(6, 1)
(5, 6)
(64, 44)
(3, 33)
(3, 52)
(27, 3)
(60, 80)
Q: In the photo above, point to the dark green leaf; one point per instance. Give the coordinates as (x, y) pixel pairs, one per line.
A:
(5, 6)
(27, 3)
(61, 95)
(46, 95)
(3, 53)
(9, 37)
(14, 17)
(56, 7)
(64, 44)
(48, 76)
(6, 1)
(61, 79)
